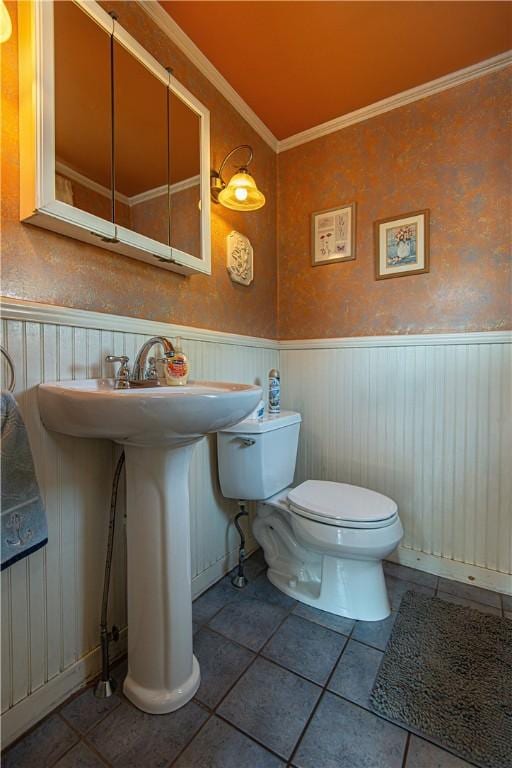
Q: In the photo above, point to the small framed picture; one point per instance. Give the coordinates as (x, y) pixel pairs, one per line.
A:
(333, 235)
(402, 245)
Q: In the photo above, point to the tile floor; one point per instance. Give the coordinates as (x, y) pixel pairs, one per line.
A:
(282, 685)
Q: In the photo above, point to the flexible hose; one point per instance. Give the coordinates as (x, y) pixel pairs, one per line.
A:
(108, 568)
(239, 580)
(239, 528)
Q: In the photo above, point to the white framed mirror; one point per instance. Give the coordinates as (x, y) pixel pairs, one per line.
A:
(114, 150)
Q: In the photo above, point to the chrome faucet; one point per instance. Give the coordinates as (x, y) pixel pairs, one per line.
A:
(141, 375)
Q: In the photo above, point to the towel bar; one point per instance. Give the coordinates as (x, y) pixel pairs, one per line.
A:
(10, 364)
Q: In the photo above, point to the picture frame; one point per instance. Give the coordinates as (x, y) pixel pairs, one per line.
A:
(402, 245)
(333, 235)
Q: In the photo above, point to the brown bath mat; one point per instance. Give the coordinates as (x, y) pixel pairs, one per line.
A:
(447, 673)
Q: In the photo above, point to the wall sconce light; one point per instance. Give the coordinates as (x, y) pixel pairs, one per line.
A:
(241, 192)
(5, 23)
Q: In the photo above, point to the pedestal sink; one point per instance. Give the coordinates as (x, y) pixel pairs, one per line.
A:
(158, 427)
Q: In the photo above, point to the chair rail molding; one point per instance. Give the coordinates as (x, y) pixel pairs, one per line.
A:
(33, 311)
(401, 340)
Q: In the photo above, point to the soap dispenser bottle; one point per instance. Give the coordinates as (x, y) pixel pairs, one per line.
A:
(177, 367)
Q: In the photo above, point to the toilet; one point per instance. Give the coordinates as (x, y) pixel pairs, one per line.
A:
(323, 542)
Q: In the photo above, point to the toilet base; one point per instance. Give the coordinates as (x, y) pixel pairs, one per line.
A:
(355, 589)
(332, 568)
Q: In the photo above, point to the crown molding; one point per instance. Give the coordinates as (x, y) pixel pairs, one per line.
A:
(85, 181)
(197, 57)
(175, 33)
(172, 189)
(398, 100)
(141, 197)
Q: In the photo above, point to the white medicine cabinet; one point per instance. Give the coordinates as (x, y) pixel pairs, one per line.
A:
(113, 149)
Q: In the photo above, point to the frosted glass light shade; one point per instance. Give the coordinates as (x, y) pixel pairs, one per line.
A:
(241, 193)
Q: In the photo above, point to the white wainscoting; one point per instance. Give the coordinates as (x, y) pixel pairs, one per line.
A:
(51, 600)
(425, 420)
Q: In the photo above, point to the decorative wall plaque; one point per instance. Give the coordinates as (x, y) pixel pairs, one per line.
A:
(239, 262)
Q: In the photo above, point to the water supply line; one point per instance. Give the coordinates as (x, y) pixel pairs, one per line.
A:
(106, 684)
(239, 580)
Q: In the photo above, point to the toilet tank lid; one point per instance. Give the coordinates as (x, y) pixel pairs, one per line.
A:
(341, 501)
(269, 422)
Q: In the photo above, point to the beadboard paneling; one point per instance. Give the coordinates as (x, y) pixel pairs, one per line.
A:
(51, 600)
(427, 425)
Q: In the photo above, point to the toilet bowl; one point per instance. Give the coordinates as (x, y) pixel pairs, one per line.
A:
(331, 563)
(323, 541)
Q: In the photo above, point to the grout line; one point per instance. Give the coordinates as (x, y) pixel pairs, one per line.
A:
(100, 720)
(250, 737)
(205, 623)
(95, 751)
(196, 734)
(406, 750)
(60, 756)
(408, 729)
(376, 714)
(257, 654)
(236, 642)
(81, 739)
(324, 689)
(213, 710)
(306, 725)
(92, 748)
(292, 671)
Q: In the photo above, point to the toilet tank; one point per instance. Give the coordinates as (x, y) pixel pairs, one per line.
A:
(257, 457)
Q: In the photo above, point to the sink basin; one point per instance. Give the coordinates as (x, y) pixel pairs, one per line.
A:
(159, 428)
(146, 417)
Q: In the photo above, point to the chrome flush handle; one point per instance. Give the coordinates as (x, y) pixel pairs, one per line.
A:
(247, 441)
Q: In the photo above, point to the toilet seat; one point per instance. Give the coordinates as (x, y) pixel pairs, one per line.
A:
(342, 505)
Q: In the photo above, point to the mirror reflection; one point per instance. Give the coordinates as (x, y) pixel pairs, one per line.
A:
(185, 186)
(138, 164)
(140, 148)
(83, 132)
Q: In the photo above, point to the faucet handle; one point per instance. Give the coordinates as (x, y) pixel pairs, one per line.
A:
(151, 372)
(122, 377)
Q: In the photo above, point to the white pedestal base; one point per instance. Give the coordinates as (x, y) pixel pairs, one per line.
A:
(163, 674)
(161, 702)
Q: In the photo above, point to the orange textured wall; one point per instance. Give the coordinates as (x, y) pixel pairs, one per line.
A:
(41, 266)
(449, 153)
